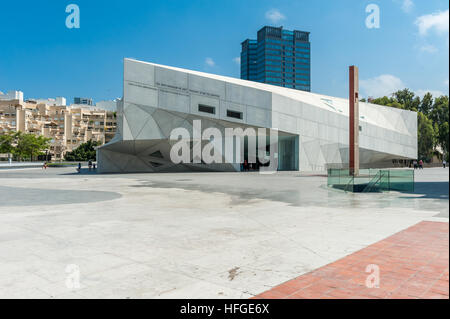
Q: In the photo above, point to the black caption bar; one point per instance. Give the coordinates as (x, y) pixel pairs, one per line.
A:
(204, 309)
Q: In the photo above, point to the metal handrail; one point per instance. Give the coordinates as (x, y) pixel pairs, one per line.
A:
(350, 181)
(371, 184)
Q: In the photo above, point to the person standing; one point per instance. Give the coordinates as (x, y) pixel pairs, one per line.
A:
(415, 164)
(420, 164)
(79, 167)
(90, 164)
(444, 163)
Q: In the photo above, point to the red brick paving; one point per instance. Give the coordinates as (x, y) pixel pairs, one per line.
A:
(413, 263)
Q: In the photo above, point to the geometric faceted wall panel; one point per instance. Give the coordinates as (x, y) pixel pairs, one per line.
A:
(159, 98)
(148, 148)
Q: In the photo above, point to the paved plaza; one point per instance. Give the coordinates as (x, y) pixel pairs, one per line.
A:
(412, 264)
(200, 235)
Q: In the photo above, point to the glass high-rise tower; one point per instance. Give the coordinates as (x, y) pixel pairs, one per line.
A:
(279, 57)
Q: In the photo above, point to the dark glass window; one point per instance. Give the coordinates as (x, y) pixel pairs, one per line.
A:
(206, 109)
(235, 114)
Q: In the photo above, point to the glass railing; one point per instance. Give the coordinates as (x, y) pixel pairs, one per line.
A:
(372, 180)
(401, 180)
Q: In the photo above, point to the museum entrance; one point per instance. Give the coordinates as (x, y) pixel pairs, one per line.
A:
(287, 153)
(288, 150)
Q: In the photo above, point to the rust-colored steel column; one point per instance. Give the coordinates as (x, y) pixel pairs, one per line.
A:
(354, 121)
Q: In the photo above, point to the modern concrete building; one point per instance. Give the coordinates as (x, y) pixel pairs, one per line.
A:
(279, 57)
(313, 128)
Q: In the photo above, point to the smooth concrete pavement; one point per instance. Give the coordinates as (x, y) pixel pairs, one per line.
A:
(190, 235)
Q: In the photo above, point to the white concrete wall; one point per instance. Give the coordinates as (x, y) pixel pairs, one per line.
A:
(155, 87)
(324, 136)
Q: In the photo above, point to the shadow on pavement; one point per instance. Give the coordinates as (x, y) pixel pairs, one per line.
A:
(18, 196)
(84, 171)
(432, 190)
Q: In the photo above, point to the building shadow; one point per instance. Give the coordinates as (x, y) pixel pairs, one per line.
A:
(432, 190)
(84, 171)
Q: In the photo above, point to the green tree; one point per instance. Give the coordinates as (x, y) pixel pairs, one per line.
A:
(426, 104)
(414, 105)
(82, 153)
(406, 98)
(396, 104)
(382, 101)
(444, 139)
(388, 102)
(425, 137)
(7, 142)
(30, 145)
(440, 117)
(433, 117)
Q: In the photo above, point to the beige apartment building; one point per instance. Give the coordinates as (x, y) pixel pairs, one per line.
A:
(67, 126)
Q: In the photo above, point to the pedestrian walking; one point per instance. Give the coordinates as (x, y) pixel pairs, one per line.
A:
(420, 164)
(444, 163)
(90, 164)
(79, 168)
(415, 164)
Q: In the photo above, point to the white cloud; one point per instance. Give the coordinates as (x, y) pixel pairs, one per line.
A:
(383, 85)
(407, 5)
(436, 21)
(428, 48)
(386, 84)
(237, 60)
(275, 16)
(435, 93)
(210, 62)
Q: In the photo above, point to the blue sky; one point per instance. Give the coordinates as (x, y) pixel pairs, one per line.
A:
(43, 58)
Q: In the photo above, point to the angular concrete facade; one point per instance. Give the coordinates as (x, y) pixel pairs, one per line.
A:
(157, 99)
